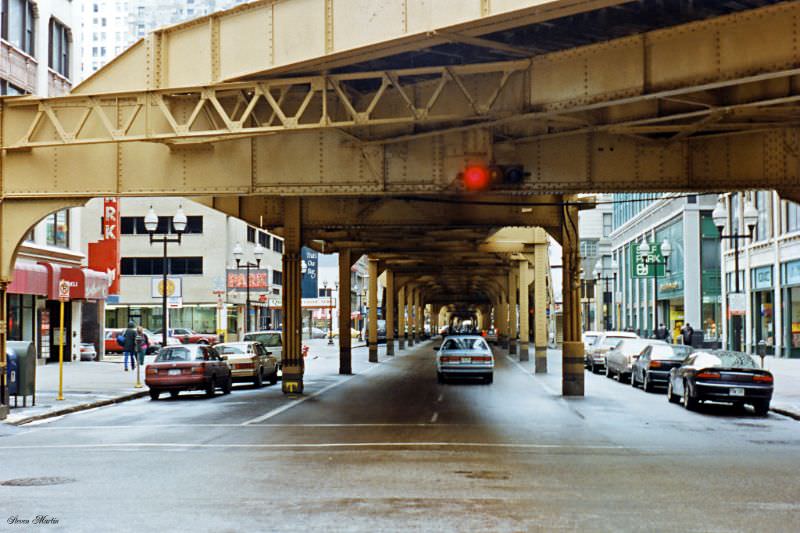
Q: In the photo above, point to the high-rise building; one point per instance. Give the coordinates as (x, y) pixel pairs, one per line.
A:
(111, 26)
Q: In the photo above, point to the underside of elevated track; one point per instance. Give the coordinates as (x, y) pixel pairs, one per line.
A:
(347, 126)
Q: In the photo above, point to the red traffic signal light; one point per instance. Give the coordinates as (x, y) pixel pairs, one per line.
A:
(480, 177)
(476, 177)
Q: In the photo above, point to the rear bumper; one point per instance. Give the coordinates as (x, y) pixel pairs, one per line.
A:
(187, 382)
(658, 376)
(721, 392)
(466, 370)
(243, 374)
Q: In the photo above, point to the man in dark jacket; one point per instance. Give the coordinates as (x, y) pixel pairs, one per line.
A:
(662, 333)
(687, 332)
(129, 346)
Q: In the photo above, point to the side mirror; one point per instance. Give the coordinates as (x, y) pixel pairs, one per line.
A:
(436, 348)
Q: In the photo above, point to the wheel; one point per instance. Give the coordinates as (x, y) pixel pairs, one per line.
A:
(154, 394)
(439, 377)
(761, 408)
(688, 402)
(258, 381)
(174, 393)
(489, 378)
(633, 379)
(671, 397)
(212, 385)
(273, 378)
(623, 377)
(228, 385)
(646, 385)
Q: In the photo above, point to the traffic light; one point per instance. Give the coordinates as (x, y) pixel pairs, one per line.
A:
(482, 177)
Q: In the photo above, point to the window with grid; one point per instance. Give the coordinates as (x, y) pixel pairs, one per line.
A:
(19, 23)
(59, 47)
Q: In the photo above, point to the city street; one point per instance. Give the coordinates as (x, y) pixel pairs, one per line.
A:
(389, 449)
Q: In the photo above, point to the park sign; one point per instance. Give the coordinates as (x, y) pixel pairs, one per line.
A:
(646, 260)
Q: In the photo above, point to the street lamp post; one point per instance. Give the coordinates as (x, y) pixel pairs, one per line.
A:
(720, 217)
(258, 252)
(666, 251)
(598, 274)
(151, 225)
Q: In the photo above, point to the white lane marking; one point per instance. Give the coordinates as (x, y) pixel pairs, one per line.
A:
(295, 403)
(440, 398)
(434, 418)
(240, 426)
(503, 445)
(544, 385)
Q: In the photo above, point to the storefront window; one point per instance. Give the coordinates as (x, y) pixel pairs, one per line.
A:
(57, 229)
(793, 329)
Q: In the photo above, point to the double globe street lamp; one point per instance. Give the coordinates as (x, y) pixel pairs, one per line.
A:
(599, 270)
(750, 217)
(258, 252)
(151, 226)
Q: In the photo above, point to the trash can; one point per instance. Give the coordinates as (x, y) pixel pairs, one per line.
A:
(25, 354)
(12, 372)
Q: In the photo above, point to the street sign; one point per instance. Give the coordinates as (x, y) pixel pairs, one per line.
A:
(646, 260)
(63, 290)
(737, 303)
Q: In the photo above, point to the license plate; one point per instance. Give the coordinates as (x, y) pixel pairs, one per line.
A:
(737, 391)
(466, 360)
(174, 372)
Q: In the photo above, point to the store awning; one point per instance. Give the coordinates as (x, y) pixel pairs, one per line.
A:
(84, 283)
(29, 278)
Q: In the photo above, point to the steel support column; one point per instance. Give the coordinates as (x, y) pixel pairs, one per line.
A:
(572, 355)
(502, 324)
(372, 321)
(345, 296)
(524, 312)
(401, 319)
(412, 324)
(419, 318)
(512, 312)
(540, 307)
(292, 357)
(389, 312)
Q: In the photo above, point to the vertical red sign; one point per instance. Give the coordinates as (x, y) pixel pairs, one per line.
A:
(104, 254)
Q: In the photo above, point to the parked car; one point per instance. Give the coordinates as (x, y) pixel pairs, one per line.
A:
(112, 346)
(589, 338)
(272, 340)
(595, 357)
(188, 336)
(720, 376)
(316, 333)
(381, 331)
(491, 336)
(250, 361)
(188, 367)
(620, 359)
(652, 367)
(354, 333)
(88, 353)
(464, 356)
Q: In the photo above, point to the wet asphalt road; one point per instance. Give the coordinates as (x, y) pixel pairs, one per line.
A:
(389, 449)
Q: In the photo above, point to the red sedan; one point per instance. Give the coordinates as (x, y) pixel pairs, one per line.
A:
(188, 367)
(189, 336)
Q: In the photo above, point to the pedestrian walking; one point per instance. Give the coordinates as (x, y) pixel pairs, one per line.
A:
(686, 334)
(129, 346)
(662, 333)
(141, 342)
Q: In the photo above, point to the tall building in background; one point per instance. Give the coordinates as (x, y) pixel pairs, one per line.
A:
(111, 26)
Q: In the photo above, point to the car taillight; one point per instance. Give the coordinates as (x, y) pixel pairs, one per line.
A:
(708, 375)
(200, 369)
(447, 359)
(762, 378)
(654, 364)
(482, 358)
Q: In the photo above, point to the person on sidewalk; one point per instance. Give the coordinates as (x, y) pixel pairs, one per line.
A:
(661, 333)
(141, 342)
(686, 333)
(129, 346)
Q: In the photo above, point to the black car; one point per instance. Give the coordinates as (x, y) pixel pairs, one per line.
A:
(652, 367)
(720, 376)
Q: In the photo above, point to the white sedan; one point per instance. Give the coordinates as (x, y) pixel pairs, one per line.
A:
(464, 356)
(249, 361)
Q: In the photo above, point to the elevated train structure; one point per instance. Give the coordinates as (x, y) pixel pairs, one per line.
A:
(347, 125)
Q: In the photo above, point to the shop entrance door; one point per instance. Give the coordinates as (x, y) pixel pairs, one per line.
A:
(54, 311)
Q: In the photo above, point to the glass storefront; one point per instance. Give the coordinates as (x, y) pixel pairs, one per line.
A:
(21, 321)
(710, 281)
(763, 300)
(200, 318)
(670, 286)
(790, 278)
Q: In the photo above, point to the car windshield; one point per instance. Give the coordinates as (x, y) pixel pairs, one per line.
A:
(613, 342)
(231, 349)
(464, 344)
(677, 352)
(723, 359)
(270, 340)
(167, 355)
(633, 346)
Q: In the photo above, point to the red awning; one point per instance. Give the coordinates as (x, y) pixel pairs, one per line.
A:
(29, 278)
(84, 283)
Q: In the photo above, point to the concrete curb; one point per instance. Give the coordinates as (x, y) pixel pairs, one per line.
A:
(785, 412)
(79, 407)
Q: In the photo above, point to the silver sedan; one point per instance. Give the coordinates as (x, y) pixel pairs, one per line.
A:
(464, 356)
(619, 360)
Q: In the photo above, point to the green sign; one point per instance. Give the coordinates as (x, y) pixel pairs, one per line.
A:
(646, 260)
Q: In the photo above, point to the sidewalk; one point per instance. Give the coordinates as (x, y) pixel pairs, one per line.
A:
(86, 384)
